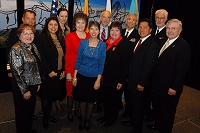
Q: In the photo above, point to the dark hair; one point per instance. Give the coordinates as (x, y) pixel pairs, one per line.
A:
(95, 23)
(30, 11)
(60, 10)
(22, 27)
(59, 34)
(146, 20)
(82, 16)
(117, 25)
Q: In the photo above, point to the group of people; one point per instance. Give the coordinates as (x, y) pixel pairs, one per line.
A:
(97, 67)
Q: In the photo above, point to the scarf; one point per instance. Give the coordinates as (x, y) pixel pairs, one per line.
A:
(115, 43)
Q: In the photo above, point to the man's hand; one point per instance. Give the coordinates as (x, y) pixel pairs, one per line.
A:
(171, 92)
(140, 88)
(119, 86)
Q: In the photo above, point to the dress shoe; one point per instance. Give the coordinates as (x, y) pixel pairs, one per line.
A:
(126, 123)
(70, 117)
(124, 115)
(101, 120)
(45, 123)
(107, 124)
(33, 131)
(52, 119)
(81, 125)
(77, 115)
(35, 117)
(152, 126)
(87, 125)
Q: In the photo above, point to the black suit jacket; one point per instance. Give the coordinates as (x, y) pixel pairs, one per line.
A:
(171, 67)
(49, 54)
(142, 63)
(115, 65)
(160, 36)
(134, 35)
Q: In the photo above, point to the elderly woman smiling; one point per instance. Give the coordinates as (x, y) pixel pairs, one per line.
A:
(26, 70)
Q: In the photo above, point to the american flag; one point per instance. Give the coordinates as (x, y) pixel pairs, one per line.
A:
(54, 7)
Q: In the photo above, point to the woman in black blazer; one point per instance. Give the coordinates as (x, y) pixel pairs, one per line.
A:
(52, 53)
(114, 75)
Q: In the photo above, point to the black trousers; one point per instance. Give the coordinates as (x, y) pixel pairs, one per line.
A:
(165, 108)
(136, 104)
(112, 103)
(24, 109)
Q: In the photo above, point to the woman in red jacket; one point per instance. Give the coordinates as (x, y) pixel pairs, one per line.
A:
(72, 43)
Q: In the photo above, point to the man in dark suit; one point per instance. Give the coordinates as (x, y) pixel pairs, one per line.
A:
(142, 63)
(130, 35)
(168, 78)
(104, 34)
(105, 20)
(159, 32)
(29, 17)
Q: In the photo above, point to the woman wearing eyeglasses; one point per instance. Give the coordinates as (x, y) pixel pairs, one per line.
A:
(26, 68)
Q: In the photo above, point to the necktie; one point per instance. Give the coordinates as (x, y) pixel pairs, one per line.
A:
(103, 34)
(164, 47)
(157, 31)
(126, 34)
(139, 43)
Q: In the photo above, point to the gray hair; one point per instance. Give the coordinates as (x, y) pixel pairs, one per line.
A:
(175, 21)
(163, 11)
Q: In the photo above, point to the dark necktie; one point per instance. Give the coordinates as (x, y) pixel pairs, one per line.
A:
(126, 34)
(103, 34)
(139, 43)
(157, 31)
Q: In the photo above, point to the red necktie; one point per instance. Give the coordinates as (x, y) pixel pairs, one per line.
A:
(139, 43)
(103, 34)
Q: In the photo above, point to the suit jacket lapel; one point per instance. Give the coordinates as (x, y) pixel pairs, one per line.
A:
(172, 46)
(142, 45)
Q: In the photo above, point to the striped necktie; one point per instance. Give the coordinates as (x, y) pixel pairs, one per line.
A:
(103, 34)
(138, 45)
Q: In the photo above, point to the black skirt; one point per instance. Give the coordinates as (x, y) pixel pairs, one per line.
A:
(52, 88)
(84, 91)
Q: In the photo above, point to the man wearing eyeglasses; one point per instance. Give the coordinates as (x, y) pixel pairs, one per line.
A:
(168, 78)
(159, 32)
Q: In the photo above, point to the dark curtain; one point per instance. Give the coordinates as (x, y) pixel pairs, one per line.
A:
(188, 11)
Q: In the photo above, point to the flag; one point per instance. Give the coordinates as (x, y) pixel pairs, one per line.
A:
(54, 7)
(86, 11)
(108, 5)
(135, 7)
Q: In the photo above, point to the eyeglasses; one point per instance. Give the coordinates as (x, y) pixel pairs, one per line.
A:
(157, 18)
(28, 34)
(172, 28)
